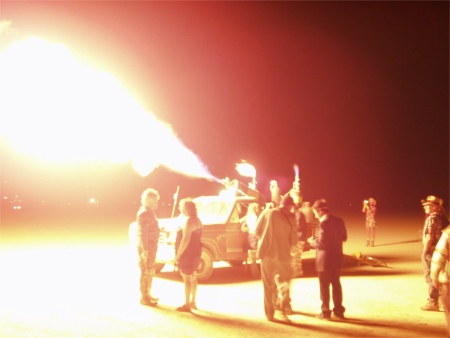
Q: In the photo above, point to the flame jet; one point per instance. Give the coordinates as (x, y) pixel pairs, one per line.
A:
(58, 109)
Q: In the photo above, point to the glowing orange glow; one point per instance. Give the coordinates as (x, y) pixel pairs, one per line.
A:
(246, 169)
(59, 109)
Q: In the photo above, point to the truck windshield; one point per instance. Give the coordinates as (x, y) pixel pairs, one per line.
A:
(213, 211)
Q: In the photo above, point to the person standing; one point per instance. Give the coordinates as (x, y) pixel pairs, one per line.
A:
(308, 214)
(248, 228)
(329, 257)
(297, 250)
(440, 271)
(370, 208)
(277, 233)
(275, 195)
(188, 252)
(148, 235)
(432, 231)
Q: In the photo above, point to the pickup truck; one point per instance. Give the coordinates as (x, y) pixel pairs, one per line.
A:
(222, 239)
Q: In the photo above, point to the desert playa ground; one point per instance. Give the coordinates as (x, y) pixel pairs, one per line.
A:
(64, 277)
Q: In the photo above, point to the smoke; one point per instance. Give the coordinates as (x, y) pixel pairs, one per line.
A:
(58, 109)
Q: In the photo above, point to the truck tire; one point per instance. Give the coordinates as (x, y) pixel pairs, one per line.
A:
(205, 269)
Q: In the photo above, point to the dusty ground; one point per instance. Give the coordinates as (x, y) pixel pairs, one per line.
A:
(56, 285)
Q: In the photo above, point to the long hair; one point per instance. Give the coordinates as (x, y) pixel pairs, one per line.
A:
(189, 206)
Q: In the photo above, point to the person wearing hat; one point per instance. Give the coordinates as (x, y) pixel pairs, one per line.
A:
(277, 233)
(370, 208)
(432, 231)
(329, 257)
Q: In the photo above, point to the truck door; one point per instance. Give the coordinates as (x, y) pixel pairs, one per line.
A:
(235, 240)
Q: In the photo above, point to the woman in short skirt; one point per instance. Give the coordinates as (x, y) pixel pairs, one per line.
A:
(188, 252)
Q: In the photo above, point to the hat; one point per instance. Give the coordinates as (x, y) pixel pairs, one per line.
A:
(433, 200)
(286, 201)
(320, 204)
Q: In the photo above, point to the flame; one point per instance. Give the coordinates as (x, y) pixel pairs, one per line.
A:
(59, 109)
(246, 169)
(296, 170)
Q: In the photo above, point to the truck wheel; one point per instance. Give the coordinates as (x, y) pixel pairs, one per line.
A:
(205, 269)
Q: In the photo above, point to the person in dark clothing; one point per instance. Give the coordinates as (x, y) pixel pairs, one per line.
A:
(329, 257)
(188, 252)
(148, 234)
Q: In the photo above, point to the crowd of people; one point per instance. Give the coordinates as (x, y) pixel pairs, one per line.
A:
(276, 236)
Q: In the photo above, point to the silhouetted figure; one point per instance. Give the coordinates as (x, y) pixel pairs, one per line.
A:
(329, 258)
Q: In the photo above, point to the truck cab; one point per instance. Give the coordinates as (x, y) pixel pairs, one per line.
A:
(222, 238)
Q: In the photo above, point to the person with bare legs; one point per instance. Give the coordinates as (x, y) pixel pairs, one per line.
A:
(188, 252)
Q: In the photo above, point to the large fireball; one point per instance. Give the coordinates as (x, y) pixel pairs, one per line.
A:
(56, 108)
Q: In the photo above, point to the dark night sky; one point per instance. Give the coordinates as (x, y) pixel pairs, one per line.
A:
(355, 93)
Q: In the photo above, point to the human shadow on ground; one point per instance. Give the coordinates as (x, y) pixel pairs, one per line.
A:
(349, 327)
(414, 330)
(402, 242)
(239, 274)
